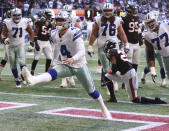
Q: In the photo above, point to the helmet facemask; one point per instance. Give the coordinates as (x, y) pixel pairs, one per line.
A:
(151, 24)
(151, 20)
(16, 15)
(108, 10)
(64, 18)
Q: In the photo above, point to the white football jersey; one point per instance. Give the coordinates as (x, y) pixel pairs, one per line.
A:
(107, 31)
(16, 32)
(160, 40)
(70, 45)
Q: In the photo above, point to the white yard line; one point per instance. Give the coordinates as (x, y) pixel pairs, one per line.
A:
(72, 98)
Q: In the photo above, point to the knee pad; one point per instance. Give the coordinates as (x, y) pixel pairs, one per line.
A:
(53, 73)
(95, 94)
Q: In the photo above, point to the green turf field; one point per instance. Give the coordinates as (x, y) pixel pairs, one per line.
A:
(48, 96)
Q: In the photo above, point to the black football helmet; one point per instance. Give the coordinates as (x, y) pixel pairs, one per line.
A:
(109, 44)
(131, 9)
(47, 14)
(8, 14)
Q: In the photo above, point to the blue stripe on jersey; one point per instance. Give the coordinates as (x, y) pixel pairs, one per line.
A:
(77, 36)
(77, 33)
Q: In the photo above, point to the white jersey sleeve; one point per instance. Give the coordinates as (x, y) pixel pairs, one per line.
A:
(79, 44)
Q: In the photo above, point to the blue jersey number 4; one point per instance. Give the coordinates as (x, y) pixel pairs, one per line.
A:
(64, 51)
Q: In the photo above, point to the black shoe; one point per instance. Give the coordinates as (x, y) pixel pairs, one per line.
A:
(123, 86)
(114, 100)
(159, 101)
(143, 81)
(32, 73)
(140, 87)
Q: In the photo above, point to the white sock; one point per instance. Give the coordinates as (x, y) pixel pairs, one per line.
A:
(45, 77)
(104, 109)
(101, 103)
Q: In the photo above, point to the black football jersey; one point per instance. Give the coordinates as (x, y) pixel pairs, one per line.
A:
(130, 26)
(123, 65)
(44, 31)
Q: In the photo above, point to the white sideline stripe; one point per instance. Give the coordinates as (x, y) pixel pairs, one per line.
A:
(19, 105)
(147, 126)
(73, 98)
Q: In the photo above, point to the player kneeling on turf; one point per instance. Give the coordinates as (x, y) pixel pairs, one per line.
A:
(127, 75)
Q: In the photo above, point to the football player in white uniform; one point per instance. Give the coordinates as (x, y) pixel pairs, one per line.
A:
(123, 71)
(13, 36)
(75, 23)
(70, 43)
(157, 37)
(106, 27)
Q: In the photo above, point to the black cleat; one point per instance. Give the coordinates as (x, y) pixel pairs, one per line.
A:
(143, 81)
(159, 101)
(114, 100)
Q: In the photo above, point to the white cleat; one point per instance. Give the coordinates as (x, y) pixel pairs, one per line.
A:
(18, 83)
(163, 83)
(106, 113)
(71, 80)
(64, 83)
(30, 80)
(18, 86)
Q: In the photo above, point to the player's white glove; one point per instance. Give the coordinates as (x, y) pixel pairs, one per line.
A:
(6, 41)
(126, 48)
(153, 73)
(90, 51)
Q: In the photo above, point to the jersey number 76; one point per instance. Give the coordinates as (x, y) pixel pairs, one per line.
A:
(110, 27)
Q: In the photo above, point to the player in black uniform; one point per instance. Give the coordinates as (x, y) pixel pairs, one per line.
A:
(128, 75)
(43, 29)
(131, 28)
